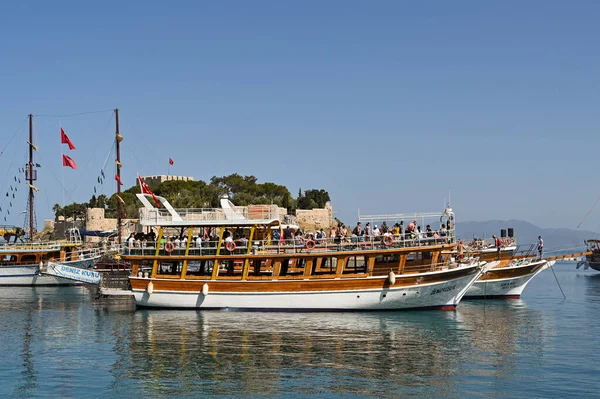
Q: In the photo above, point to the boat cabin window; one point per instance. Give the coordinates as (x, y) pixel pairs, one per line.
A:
(29, 259)
(9, 259)
(172, 268)
(200, 268)
(356, 264)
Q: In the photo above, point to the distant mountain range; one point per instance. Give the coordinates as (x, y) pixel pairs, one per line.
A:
(526, 233)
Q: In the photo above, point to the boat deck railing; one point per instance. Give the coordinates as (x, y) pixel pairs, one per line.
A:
(213, 215)
(31, 246)
(297, 245)
(477, 244)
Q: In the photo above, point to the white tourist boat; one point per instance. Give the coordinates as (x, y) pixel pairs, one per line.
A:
(507, 279)
(20, 261)
(252, 271)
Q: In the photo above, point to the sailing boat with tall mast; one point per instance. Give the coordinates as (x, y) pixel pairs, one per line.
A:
(107, 262)
(20, 262)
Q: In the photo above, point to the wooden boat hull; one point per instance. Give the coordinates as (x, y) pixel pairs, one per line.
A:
(435, 290)
(505, 281)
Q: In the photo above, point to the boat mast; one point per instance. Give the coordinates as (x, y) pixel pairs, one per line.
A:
(118, 141)
(31, 175)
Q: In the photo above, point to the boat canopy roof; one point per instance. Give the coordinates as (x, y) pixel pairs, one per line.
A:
(227, 215)
(408, 217)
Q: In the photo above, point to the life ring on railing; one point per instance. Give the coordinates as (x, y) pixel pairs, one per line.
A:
(387, 240)
(230, 246)
(310, 244)
(169, 247)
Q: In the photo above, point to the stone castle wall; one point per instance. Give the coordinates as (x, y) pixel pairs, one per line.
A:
(310, 219)
(157, 179)
(97, 221)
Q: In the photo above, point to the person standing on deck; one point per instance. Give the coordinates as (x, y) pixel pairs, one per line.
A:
(461, 249)
(497, 244)
(131, 241)
(288, 235)
(540, 246)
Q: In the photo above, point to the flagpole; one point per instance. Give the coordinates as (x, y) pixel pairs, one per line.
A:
(62, 172)
(118, 151)
(31, 177)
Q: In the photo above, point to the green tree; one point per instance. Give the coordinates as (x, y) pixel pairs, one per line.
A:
(313, 199)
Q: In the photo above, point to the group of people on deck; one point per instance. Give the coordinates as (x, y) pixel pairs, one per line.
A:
(412, 233)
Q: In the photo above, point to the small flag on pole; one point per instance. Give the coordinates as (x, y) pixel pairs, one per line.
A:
(64, 139)
(171, 161)
(67, 161)
(117, 178)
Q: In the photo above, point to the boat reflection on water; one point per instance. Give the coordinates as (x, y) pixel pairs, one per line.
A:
(592, 287)
(235, 353)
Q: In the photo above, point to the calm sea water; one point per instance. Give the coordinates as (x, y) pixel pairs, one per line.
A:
(61, 342)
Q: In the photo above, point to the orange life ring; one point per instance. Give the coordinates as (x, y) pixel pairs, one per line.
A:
(310, 244)
(230, 246)
(387, 241)
(169, 247)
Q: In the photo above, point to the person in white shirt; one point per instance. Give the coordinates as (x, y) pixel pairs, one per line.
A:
(177, 243)
(131, 241)
(376, 232)
(199, 242)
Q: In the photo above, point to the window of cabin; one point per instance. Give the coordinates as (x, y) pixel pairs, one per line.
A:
(169, 268)
(29, 259)
(9, 260)
(200, 268)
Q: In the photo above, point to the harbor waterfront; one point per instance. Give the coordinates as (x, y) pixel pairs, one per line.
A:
(64, 342)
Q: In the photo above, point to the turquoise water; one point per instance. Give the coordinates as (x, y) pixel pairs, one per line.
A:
(61, 342)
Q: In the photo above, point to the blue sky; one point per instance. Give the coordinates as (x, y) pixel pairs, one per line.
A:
(385, 104)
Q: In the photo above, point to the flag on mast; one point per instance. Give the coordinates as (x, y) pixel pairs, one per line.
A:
(68, 161)
(64, 139)
(146, 190)
(171, 161)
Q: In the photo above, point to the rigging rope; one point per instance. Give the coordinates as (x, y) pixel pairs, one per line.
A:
(77, 114)
(587, 214)
(90, 160)
(13, 136)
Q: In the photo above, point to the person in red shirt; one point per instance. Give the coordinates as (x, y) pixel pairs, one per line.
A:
(497, 244)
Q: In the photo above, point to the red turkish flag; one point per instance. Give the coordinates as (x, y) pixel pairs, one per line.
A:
(171, 161)
(146, 190)
(68, 161)
(117, 178)
(64, 139)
